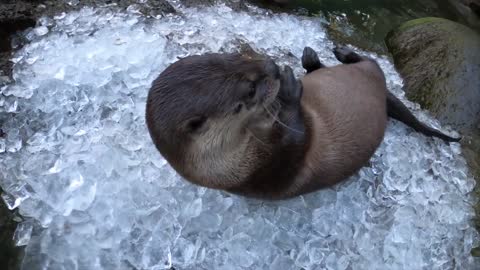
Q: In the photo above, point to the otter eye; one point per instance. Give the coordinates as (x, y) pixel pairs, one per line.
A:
(195, 123)
(251, 91)
(238, 108)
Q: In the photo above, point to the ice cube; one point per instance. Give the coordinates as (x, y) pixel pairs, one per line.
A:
(22, 234)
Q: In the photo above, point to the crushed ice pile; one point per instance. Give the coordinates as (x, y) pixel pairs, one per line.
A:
(95, 194)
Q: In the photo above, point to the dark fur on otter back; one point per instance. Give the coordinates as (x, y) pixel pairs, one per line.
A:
(229, 122)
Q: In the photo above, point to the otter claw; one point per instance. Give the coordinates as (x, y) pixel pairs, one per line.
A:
(290, 88)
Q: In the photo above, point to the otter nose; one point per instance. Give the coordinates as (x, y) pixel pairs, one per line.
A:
(271, 68)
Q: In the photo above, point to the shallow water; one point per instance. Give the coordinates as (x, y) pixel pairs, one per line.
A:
(95, 194)
(367, 22)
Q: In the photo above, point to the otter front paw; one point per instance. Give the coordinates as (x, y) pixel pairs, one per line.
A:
(291, 89)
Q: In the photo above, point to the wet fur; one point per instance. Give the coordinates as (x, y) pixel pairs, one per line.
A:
(223, 152)
(318, 131)
(344, 122)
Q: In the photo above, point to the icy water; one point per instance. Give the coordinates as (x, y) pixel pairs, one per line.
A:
(95, 194)
(367, 22)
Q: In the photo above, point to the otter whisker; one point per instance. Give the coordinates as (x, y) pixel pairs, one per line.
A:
(279, 101)
(258, 139)
(277, 104)
(280, 122)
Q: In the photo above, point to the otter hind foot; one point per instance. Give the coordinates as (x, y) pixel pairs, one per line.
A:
(310, 60)
(346, 55)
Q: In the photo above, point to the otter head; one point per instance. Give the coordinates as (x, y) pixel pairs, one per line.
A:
(201, 111)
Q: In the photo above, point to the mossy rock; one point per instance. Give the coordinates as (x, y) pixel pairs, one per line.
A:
(440, 63)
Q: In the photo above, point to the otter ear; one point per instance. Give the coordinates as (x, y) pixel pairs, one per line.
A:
(194, 124)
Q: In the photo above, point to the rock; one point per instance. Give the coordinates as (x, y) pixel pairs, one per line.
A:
(475, 7)
(239, 5)
(467, 12)
(196, 3)
(440, 63)
(9, 254)
(14, 16)
(236, 5)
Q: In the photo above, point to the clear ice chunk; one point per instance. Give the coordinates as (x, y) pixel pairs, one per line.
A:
(15, 195)
(22, 234)
(40, 30)
(3, 146)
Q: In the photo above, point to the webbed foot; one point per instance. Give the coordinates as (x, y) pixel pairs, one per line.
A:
(310, 60)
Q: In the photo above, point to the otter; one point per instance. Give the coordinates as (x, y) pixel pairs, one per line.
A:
(248, 127)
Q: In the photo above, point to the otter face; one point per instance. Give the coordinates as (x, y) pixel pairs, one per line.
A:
(199, 110)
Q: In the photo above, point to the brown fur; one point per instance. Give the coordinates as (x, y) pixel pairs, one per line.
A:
(346, 118)
(345, 121)
(223, 151)
(315, 140)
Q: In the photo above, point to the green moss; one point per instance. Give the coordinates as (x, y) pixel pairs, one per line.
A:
(425, 97)
(411, 24)
(441, 23)
(476, 252)
(416, 22)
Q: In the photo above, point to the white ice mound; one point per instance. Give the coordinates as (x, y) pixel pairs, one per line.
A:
(78, 162)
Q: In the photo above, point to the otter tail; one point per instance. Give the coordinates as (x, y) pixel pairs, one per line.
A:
(397, 110)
